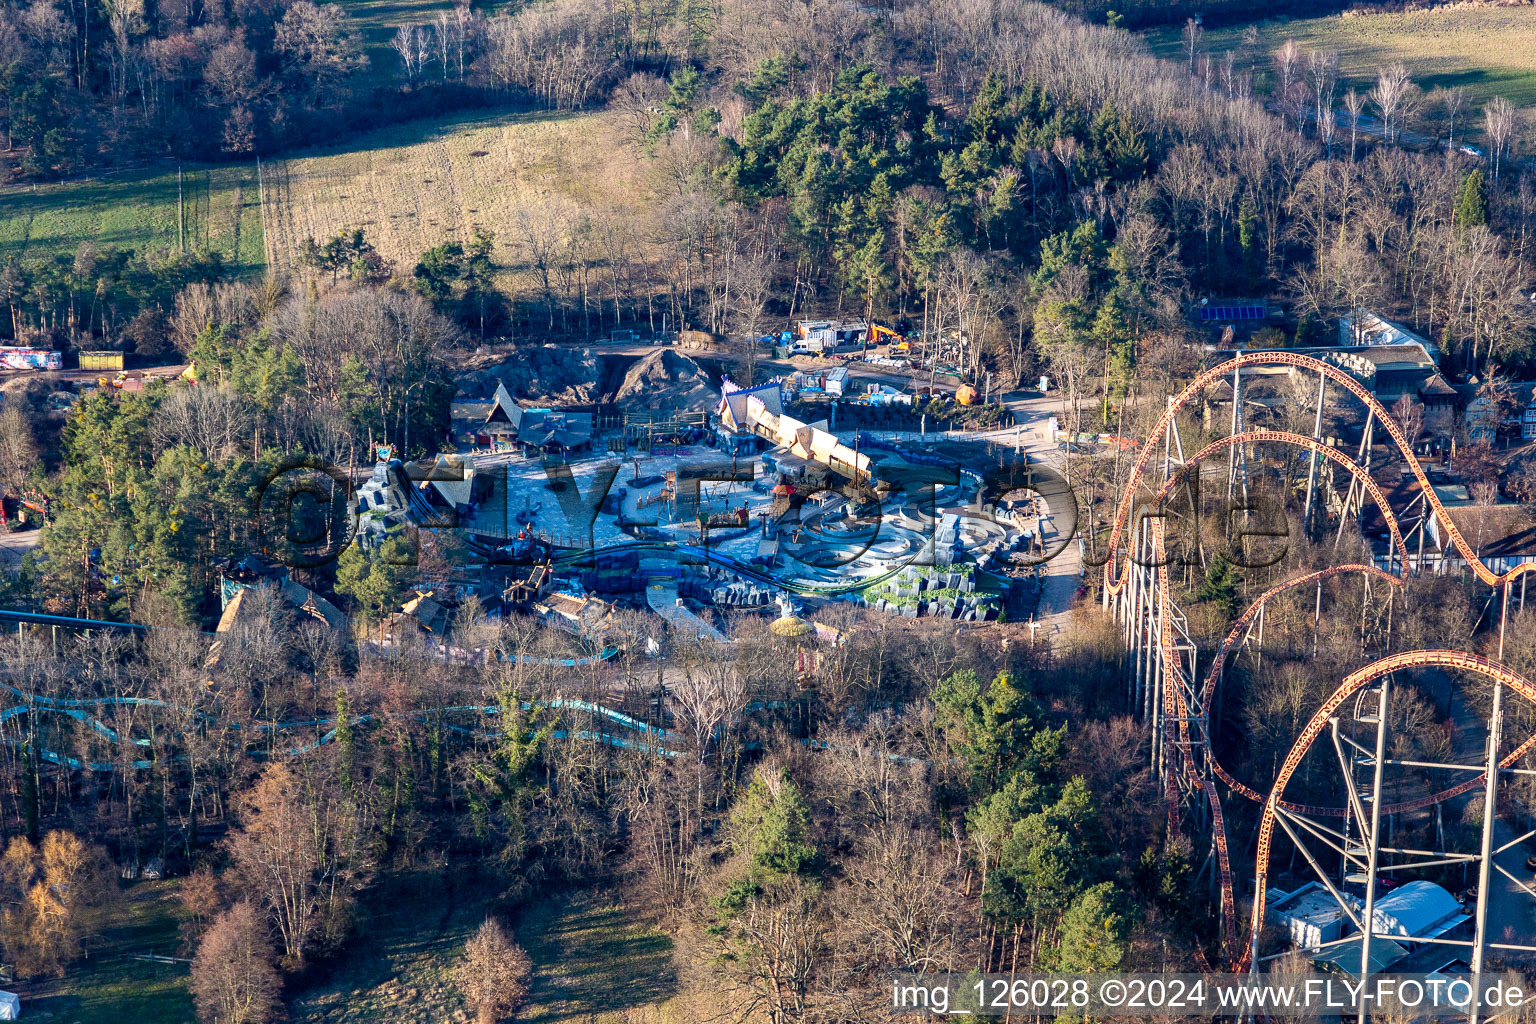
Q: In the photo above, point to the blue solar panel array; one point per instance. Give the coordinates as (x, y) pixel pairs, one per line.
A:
(1224, 313)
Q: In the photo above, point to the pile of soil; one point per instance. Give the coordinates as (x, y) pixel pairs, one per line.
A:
(665, 379)
(558, 376)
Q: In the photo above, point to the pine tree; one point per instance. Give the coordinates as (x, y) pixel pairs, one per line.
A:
(376, 581)
(773, 822)
(1472, 206)
(1248, 240)
(1220, 584)
(996, 727)
(345, 753)
(1092, 933)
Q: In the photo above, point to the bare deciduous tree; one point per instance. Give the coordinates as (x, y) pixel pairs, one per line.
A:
(1354, 102)
(406, 44)
(638, 99)
(18, 446)
(710, 695)
(494, 974)
(786, 936)
(233, 979)
(902, 913)
(1393, 96)
(48, 890)
(1323, 77)
(752, 287)
(1288, 88)
(1192, 34)
(1409, 413)
(1452, 103)
(552, 51)
(211, 419)
(302, 853)
(1499, 124)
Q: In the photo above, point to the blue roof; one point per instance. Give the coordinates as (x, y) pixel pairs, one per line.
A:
(1210, 313)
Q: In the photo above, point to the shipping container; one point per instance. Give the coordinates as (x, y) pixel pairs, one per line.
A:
(101, 360)
(15, 357)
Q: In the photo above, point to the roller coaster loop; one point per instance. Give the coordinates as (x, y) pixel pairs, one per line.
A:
(1177, 715)
(1353, 683)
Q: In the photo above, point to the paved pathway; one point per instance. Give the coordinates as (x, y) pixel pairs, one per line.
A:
(661, 595)
(14, 546)
(1063, 573)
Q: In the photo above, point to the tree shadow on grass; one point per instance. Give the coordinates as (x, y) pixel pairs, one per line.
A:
(591, 957)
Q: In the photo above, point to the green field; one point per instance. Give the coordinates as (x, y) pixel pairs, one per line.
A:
(593, 963)
(376, 21)
(398, 967)
(109, 986)
(409, 187)
(1490, 50)
(219, 205)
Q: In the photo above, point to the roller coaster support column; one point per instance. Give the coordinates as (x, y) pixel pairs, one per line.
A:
(1368, 918)
(1133, 610)
(1504, 612)
(1159, 681)
(1146, 639)
(1237, 419)
(1237, 457)
(1490, 817)
(1364, 460)
(1317, 617)
(1136, 606)
(1317, 435)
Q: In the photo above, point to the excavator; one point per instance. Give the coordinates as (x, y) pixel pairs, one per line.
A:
(880, 335)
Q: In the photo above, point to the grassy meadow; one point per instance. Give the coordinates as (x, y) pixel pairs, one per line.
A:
(138, 211)
(409, 187)
(594, 963)
(1491, 50)
(417, 185)
(376, 21)
(109, 986)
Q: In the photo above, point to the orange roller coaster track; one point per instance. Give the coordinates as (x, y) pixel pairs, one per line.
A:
(1114, 581)
(1175, 707)
(1213, 676)
(1300, 441)
(1353, 683)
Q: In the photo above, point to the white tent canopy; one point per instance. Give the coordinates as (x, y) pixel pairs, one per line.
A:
(10, 1006)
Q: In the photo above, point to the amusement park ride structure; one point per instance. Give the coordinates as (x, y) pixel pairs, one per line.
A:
(1165, 686)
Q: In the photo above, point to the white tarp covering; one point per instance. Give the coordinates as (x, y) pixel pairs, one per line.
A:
(1417, 910)
(10, 1006)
